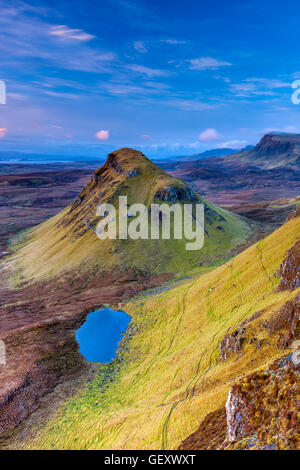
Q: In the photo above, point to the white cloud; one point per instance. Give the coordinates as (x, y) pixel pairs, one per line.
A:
(146, 137)
(258, 87)
(204, 63)
(189, 105)
(270, 83)
(64, 32)
(102, 135)
(148, 71)
(140, 46)
(3, 132)
(24, 38)
(209, 135)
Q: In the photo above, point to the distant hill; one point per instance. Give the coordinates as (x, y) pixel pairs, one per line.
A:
(274, 150)
(212, 153)
(68, 240)
(219, 152)
(24, 157)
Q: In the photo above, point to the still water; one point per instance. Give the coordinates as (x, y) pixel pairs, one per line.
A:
(100, 334)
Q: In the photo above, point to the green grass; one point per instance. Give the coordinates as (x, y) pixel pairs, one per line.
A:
(168, 376)
(61, 243)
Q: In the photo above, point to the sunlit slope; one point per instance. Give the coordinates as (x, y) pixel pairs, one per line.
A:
(69, 241)
(170, 375)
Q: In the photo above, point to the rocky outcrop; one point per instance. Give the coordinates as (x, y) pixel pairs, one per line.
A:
(113, 162)
(172, 194)
(232, 343)
(289, 270)
(264, 407)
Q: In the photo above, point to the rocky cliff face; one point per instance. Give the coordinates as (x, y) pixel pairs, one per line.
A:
(273, 150)
(261, 412)
(263, 408)
(290, 269)
(274, 144)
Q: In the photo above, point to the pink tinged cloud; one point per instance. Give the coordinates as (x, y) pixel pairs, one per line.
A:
(102, 135)
(3, 132)
(146, 137)
(204, 63)
(68, 136)
(209, 135)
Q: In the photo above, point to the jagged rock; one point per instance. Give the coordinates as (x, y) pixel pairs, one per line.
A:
(265, 405)
(294, 214)
(296, 357)
(290, 269)
(132, 173)
(113, 163)
(171, 194)
(232, 343)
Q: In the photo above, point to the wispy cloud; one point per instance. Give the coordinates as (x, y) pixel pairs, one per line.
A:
(29, 40)
(258, 87)
(149, 72)
(129, 88)
(65, 33)
(189, 105)
(146, 137)
(140, 46)
(204, 63)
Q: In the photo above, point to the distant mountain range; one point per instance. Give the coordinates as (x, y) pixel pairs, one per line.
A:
(218, 152)
(274, 150)
(23, 157)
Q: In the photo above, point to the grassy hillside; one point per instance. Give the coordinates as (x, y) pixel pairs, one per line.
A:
(68, 240)
(168, 375)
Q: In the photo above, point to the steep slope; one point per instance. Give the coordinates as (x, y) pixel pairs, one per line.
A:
(68, 241)
(183, 351)
(274, 150)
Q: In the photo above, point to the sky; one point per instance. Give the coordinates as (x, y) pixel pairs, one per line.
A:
(170, 77)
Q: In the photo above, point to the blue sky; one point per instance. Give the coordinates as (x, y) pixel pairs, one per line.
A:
(168, 77)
